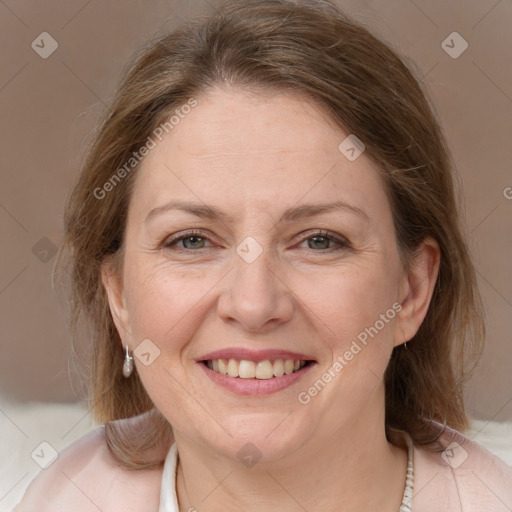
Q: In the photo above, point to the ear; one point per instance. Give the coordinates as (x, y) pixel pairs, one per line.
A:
(113, 283)
(418, 288)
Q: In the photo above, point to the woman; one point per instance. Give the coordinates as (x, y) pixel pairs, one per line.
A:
(266, 242)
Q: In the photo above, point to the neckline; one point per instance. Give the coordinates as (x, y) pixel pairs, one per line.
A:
(168, 497)
(169, 500)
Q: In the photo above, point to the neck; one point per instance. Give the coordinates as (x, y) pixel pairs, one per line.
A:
(358, 469)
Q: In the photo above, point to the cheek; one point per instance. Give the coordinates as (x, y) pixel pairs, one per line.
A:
(355, 299)
(162, 300)
(359, 310)
(163, 305)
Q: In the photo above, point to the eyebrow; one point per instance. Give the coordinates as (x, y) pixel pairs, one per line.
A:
(295, 213)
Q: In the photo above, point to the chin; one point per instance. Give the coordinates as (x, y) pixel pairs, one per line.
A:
(267, 437)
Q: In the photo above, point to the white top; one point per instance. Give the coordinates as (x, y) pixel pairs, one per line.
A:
(168, 498)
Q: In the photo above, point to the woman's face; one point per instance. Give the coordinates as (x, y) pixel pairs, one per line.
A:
(265, 280)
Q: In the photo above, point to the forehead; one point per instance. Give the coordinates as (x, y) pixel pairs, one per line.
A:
(237, 148)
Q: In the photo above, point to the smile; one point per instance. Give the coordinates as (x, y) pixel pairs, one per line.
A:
(247, 369)
(249, 377)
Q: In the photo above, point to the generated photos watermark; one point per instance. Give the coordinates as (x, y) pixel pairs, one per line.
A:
(151, 143)
(304, 397)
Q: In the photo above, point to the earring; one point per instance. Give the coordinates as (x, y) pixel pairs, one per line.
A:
(128, 363)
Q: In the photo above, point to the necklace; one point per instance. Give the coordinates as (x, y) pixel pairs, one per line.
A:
(406, 505)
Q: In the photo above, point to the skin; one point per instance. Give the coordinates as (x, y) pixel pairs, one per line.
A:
(254, 156)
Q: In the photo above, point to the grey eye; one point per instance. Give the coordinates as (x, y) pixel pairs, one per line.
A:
(197, 242)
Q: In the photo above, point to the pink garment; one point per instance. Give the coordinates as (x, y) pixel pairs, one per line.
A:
(462, 476)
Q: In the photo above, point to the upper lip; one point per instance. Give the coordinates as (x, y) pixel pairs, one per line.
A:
(254, 355)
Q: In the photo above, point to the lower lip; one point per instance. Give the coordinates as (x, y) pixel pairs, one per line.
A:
(255, 386)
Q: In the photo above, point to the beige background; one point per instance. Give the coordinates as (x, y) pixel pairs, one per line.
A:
(48, 106)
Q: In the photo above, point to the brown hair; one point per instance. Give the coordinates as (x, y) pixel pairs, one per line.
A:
(312, 48)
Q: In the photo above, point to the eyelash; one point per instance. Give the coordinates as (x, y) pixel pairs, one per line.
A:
(169, 243)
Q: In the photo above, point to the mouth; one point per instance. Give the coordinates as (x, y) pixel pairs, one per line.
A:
(255, 372)
(249, 377)
(261, 370)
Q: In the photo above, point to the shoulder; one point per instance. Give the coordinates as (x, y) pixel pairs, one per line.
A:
(85, 477)
(458, 472)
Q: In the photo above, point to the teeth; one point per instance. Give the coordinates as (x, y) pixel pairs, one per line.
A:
(250, 369)
(233, 368)
(247, 369)
(288, 366)
(223, 367)
(264, 370)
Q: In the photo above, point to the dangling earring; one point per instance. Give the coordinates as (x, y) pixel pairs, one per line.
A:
(128, 363)
(406, 344)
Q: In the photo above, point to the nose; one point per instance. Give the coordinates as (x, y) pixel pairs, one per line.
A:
(256, 295)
